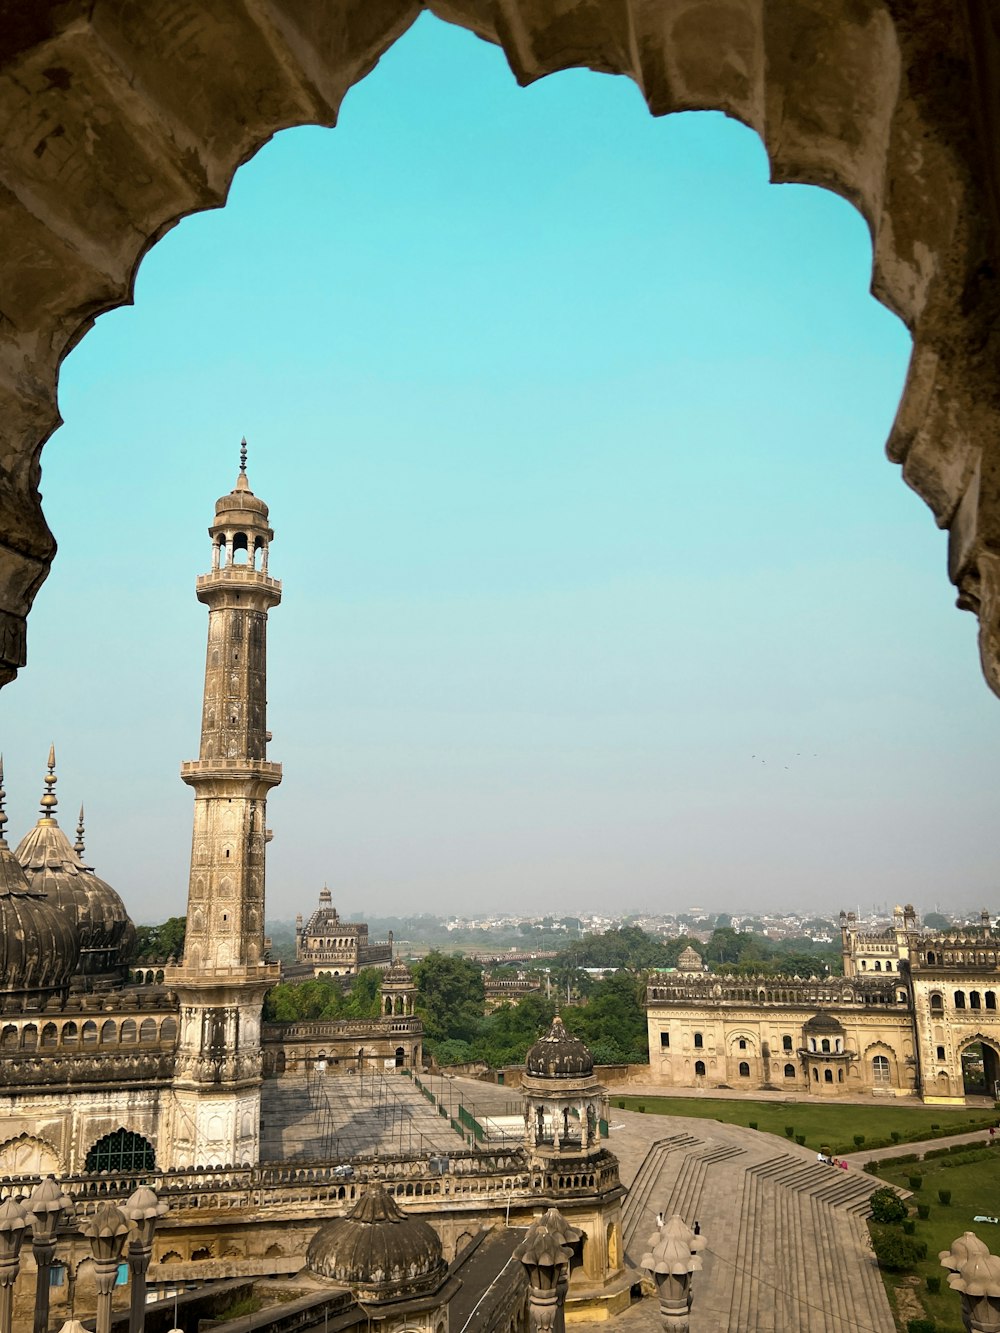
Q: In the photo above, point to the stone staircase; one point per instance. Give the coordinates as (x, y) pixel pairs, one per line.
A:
(787, 1245)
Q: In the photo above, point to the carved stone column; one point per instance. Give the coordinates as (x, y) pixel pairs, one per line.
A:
(46, 1206)
(108, 1230)
(546, 1263)
(672, 1260)
(975, 1274)
(143, 1210)
(13, 1226)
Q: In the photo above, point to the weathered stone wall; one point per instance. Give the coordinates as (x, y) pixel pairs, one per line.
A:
(120, 119)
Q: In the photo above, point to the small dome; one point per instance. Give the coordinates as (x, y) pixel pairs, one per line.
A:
(559, 1054)
(690, 961)
(378, 1250)
(234, 508)
(823, 1022)
(398, 973)
(38, 945)
(55, 870)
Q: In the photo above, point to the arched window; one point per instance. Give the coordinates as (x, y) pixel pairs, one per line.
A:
(880, 1069)
(698, 1043)
(109, 1032)
(812, 1043)
(121, 1151)
(930, 957)
(29, 1038)
(975, 1000)
(744, 1069)
(168, 1029)
(826, 1044)
(991, 999)
(827, 1075)
(743, 1044)
(960, 999)
(878, 966)
(50, 1037)
(128, 1032)
(699, 1068)
(937, 1003)
(815, 1075)
(147, 1030)
(789, 1071)
(9, 1038)
(786, 1043)
(90, 1033)
(888, 967)
(70, 1034)
(840, 1076)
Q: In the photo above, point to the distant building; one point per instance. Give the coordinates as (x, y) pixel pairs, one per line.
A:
(915, 1014)
(336, 948)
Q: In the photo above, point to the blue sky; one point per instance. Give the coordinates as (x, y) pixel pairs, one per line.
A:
(599, 589)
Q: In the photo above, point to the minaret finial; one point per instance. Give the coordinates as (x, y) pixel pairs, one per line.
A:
(78, 846)
(243, 455)
(3, 812)
(49, 799)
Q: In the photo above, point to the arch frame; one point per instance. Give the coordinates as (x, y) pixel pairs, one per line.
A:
(903, 124)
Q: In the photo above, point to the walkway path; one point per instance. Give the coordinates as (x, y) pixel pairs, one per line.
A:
(978, 1136)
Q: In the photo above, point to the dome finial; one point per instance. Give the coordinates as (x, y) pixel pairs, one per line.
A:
(243, 455)
(49, 799)
(78, 846)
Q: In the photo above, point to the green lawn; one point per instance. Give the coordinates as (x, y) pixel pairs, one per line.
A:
(824, 1124)
(975, 1188)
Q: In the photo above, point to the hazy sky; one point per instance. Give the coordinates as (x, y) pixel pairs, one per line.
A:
(598, 588)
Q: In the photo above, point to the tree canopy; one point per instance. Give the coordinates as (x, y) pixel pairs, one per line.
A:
(163, 941)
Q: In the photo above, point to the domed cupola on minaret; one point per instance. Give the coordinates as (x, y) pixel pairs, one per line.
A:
(39, 949)
(56, 870)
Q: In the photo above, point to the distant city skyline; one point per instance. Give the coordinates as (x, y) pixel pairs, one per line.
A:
(597, 584)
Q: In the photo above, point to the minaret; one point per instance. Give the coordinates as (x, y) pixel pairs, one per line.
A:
(223, 978)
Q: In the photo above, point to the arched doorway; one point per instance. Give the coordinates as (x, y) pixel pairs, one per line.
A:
(980, 1070)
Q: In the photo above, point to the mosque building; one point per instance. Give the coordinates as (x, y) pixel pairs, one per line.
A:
(112, 1074)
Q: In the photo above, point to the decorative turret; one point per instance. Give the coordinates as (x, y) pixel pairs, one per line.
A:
(398, 991)
(564, 1103)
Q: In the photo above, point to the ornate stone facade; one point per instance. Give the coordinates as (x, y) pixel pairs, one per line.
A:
(901, 1021)
(336, 948)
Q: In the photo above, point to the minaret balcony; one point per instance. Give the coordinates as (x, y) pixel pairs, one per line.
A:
(260, 771)
(245, 575)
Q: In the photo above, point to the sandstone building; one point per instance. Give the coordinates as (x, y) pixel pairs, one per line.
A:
(915, 1014)
(335, 948)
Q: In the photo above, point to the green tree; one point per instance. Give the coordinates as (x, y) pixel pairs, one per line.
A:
(936, 921)
(163, 941)
(364, 1000)
(450, 995)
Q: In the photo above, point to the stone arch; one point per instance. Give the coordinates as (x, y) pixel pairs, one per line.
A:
(29, 1155)
(912, 154)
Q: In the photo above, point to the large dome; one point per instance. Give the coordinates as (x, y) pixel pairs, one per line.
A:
(56, 870)
(559, 1054)
(38, 945)
(378, 1250)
